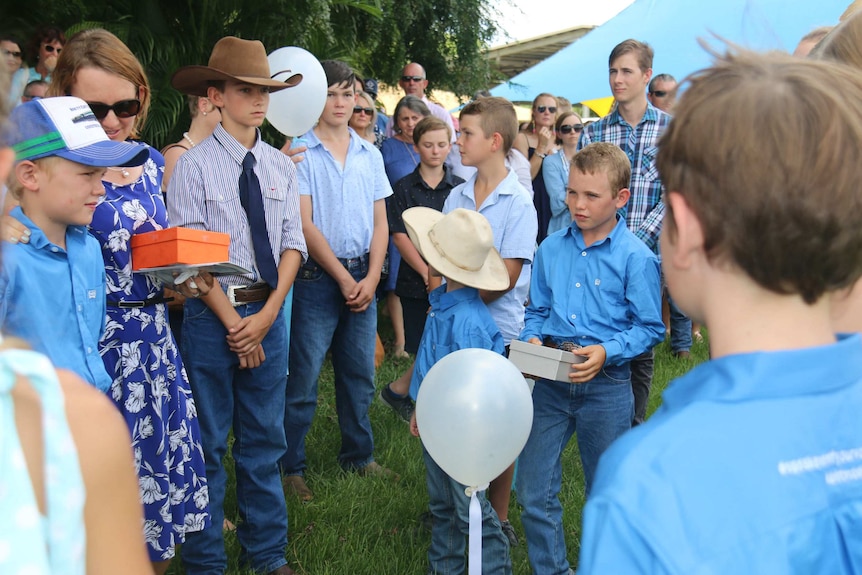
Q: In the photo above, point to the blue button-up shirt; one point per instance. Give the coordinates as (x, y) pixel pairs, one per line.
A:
(457, 320)
(751, 465)
(608, 293)
(644, 212)
(54, 299)
(510, 211)
(342, 197)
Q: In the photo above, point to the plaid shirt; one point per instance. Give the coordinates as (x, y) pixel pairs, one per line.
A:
(645, 210)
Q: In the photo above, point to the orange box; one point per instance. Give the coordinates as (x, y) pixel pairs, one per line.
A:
(178, 246)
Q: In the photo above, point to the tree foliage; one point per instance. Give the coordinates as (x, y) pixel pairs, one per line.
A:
(376, 37)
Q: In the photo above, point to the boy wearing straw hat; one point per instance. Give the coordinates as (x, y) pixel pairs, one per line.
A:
(234, 337)
(459, 247)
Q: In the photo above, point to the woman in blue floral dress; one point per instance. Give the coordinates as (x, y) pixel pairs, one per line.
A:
(150, 385)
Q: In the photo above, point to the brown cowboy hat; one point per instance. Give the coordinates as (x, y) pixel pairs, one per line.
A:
(231, 59)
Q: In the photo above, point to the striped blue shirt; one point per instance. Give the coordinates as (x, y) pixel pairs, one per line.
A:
(510, 211)
(342, 198)
(204, 195)
(645, 210)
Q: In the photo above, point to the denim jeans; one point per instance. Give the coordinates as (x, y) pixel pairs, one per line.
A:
(249, 401)
(680, 328)
(599, 411)
(322, 321)
(450, 507)
(642, 368)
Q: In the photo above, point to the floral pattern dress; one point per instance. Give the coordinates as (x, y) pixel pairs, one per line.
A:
(150, 385)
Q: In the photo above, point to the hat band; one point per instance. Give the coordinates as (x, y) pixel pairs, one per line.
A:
(50, 142)
(433, 237)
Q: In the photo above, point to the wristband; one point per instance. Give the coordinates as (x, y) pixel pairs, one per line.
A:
(541, 155)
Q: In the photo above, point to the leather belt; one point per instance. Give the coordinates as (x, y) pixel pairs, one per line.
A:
(241, 295)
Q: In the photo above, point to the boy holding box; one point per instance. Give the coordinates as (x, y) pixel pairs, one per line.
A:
(752, 464)
(234, 338)
(52, 288)
(595, 285)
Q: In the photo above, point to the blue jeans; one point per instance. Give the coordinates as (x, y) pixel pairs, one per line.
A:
(450, 507)
(322, 321)
(680, 328)
(250, 401)
(599, 411)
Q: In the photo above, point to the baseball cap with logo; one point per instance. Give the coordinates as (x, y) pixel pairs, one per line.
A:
(66, 127)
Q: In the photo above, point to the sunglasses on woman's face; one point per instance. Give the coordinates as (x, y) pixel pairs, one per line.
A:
(361, 110)
(551, 109)
(122, 109)
(569, 128)
(50, 49)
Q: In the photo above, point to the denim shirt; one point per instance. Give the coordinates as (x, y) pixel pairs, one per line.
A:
(608, 293)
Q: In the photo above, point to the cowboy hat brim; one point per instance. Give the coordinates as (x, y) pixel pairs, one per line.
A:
(195, 80)
(492, 276)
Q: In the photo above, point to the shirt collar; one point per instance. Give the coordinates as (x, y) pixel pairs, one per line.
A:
(651, 115)
(574, 231)
(236, 150)
(38, 239)
(448, 178)
(766, 375)
(442, 300)
(504, 188)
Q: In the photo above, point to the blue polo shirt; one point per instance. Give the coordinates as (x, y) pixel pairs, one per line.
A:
(753, 464)
(608, 293)
(510, 211)
(342, 197)
(457, 320)
(54, 299)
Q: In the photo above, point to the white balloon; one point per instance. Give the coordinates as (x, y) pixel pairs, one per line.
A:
(295, 110)
(474, 412)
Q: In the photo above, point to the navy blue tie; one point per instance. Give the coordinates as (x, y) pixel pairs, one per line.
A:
(252, 201)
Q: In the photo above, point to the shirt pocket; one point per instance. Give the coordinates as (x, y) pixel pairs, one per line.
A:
(648, 170)
(92, 310)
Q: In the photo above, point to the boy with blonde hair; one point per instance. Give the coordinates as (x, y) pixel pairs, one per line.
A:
(595, 287)
(752, 464)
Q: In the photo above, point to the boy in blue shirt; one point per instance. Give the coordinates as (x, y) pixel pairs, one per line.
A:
(52, 288)
(595, 285)
(234, 337)
(753, 464)
(459, 247)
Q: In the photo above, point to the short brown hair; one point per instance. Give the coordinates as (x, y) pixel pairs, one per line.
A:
(98, 48)
(643, 53)
(496, 115)
(606, 158)
(775, 186)
(430, 124)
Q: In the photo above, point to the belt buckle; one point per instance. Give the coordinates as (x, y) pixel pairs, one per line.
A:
(231, 295)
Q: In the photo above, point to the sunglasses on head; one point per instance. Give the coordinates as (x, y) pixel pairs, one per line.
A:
(569, 128)
(360, 110)
(412, 78)
(13, 54)
(551, 109)
(50, 49)
(122, 109)
(659, 93)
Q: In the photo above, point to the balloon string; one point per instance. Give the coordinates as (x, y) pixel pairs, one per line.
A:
(475, 555)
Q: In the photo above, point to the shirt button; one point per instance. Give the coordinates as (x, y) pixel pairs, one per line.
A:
(89, 350)
(55, 249)
(80, 307)
(583, 253)
(577, 285)
(431, 314)
(574, 316)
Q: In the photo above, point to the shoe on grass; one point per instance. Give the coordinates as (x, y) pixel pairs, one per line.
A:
(374, 469)
(295, 485)
(403, 405)
(509, 532)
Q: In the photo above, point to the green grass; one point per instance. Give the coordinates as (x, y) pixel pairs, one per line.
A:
(369, 526)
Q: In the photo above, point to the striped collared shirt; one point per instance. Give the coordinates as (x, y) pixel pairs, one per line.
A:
(204, 195)
(645, 210)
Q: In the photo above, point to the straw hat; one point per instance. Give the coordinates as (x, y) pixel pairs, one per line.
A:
(231, 59)
(459, 245)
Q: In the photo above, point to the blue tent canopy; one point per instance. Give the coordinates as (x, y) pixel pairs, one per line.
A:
(579, 72)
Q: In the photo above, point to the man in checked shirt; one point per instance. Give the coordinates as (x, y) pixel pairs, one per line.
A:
(635, 125)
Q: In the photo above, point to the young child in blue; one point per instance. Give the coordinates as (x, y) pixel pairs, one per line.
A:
(753, 464)
(52, 288)
(597, 286)
(459, 247)
(234, 337)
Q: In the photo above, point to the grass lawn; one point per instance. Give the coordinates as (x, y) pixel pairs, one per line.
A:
(369, 526)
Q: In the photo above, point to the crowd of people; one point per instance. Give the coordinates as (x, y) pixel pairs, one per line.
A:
(476, 232)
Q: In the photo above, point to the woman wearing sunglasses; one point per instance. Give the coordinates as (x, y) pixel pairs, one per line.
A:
(536, 142)
(364, 119)
(45, 48)
(150, 385)
(555, 169)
